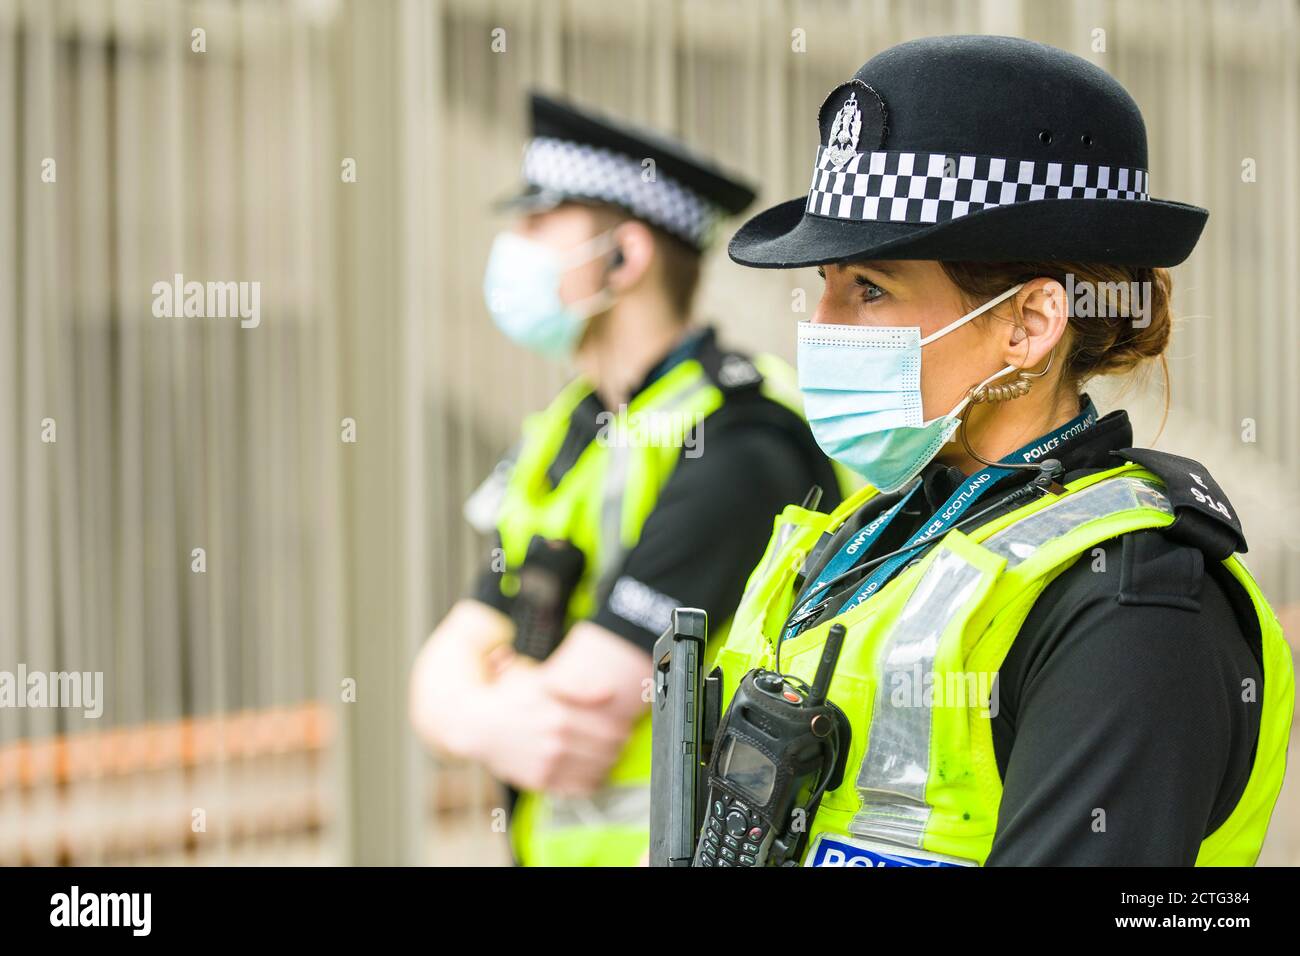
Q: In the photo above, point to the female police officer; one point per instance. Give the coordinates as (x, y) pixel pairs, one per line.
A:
(975, 205)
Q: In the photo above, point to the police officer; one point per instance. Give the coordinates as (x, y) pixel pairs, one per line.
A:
(650, 481)
(976, 208)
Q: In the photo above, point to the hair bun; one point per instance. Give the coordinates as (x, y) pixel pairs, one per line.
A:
(1134, 327)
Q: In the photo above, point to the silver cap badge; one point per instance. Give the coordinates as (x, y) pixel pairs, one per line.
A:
(843, 144)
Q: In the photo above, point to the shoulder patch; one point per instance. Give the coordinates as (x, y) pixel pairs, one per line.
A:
(1203, 516)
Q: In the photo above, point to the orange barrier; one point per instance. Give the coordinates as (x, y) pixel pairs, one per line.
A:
(189, 742)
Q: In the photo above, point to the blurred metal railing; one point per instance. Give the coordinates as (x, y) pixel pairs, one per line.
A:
(169, 500)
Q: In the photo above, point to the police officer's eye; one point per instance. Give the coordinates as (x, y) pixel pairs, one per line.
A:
(871, 291)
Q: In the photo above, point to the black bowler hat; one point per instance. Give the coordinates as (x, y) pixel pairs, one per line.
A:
(976, 148)
(577, 155)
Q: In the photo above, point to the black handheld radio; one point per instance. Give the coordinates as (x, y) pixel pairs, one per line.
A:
(547, 578)
(780, 746)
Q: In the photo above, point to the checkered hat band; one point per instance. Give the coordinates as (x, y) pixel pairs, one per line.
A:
(938, 187)
(576, 169)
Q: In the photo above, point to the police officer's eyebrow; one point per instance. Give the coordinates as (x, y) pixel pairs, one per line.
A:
(889, 272)
(886, 270)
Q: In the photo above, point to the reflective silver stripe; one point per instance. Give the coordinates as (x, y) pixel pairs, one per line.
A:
(896, 769)
(1020, 540)
(611, 511)
(625, 805)
(611, 519)
(782, 535)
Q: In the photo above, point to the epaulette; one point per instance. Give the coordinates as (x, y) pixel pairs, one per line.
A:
(1203, 516)
(729, 371)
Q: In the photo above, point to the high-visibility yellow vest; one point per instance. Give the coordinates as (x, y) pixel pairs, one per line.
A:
(921, 774)
(600, 505)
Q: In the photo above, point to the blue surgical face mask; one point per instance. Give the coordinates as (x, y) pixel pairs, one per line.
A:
(862, 395)
(521, 286)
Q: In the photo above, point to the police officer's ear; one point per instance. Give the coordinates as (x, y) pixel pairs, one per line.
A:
(633, 256)
(1041, 315)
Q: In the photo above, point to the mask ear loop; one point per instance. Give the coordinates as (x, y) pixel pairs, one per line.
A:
(593, 248)
(589, 249)
(956, 323)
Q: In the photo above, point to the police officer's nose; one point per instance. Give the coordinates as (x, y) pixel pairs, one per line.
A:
(832, 309)
(835, 307)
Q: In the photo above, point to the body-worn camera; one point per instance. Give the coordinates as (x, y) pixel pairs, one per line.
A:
(780, 746)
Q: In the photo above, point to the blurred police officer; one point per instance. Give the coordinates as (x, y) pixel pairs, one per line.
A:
(616, 508)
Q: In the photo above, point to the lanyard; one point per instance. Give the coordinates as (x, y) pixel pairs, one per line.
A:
(949, 512)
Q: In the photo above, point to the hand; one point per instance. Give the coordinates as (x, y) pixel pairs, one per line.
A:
(502, 658)
(540, 734)
(449, 672)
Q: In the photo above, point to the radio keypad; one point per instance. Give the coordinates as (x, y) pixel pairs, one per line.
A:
(732, 835)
